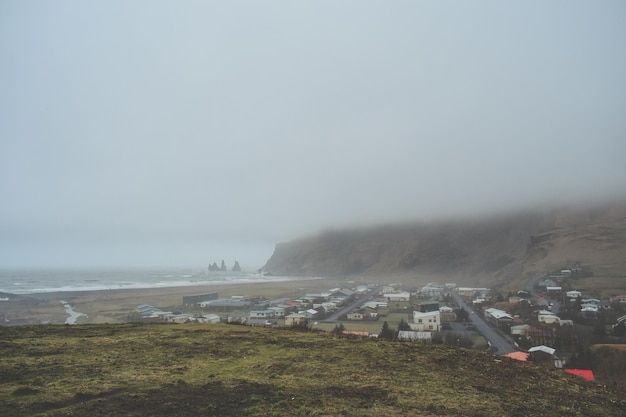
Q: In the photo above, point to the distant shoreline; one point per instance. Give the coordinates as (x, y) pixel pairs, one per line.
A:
(114, 305)
(47, 293)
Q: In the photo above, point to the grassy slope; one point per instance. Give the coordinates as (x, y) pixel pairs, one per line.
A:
(191, 370)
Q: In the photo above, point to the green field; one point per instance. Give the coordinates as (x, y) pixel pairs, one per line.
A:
(224, 370)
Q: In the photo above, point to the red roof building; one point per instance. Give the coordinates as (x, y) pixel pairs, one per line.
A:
(585, 373)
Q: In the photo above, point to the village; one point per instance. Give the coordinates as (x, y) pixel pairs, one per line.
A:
(548, 322)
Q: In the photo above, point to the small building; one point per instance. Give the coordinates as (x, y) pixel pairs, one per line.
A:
(262, 314)
(618, 300)
(554, 290)
(208, 318)
(574, 294)
(548, 318)
(447, 314)
(294, 319)
(520, 330)
(414, 336)
(426, 321)
(425, 306)
(541, 355)
(398, 296)
(498, 317)
(355, 315)
(193, 300)
(433, 290)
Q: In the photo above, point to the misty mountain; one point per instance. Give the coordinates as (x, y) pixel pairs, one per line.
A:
(492, 251)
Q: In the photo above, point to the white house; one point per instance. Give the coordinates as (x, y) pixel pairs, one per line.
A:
(548, 318)
(433, 290)
(208, 318)
(398, 296)
(428, 321)
(573, 294)
(520, 330)
(412, 336)
(261, 314)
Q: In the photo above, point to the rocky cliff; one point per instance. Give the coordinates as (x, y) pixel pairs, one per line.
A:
(488, 250)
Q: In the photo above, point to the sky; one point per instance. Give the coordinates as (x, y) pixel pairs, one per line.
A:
(160, 133)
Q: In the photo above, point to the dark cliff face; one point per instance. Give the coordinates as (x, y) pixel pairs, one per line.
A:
(488, 251)
(473, 246)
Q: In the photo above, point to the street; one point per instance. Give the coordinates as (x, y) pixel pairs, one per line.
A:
(357, 302)
(498, 343)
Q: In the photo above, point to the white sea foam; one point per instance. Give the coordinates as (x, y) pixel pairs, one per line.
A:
(43, 281)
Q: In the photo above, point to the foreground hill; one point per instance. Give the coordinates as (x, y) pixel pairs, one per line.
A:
(221, 370)
(490, 251)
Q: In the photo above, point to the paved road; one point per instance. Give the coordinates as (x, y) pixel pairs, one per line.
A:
(357, 302)
(530, 288)
(499, 344)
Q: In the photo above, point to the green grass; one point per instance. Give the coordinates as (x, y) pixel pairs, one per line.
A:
(222, 370)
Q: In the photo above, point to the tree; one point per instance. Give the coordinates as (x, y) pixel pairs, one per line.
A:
(338, 330)
(386, 333)
(403, 325)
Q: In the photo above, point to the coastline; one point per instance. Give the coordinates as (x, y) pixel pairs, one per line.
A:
(115, 305)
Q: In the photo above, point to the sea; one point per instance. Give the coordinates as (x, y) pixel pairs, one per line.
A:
(34, 281)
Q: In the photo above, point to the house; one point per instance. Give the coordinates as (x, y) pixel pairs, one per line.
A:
(146, 310)
(447, 314)
(262, 314)
(592, 301)
(238, 318)
(397, 296)
(425, 306)
(574, 294)
(428, 321)
(388, 289)
(548, 318)
(520, 330)
(310, 313)
(471, 292)
(341, 293)
(355, 315)
(546, 283)
(498, 317)
(294, 319)
(225, 304)
(566, 273)
(362, 288)
(413, 336)
(278, 311)
(433, 290)
(589, 312)
(553, 290)
(179, 318)
(193, 300)
(618, 300)
(208, 318)
(541, 354)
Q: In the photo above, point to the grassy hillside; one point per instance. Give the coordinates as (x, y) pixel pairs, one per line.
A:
(221, 370)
